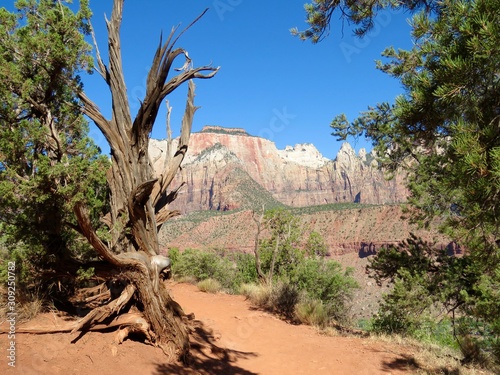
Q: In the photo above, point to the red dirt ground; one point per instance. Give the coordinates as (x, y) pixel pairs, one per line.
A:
(229, 337)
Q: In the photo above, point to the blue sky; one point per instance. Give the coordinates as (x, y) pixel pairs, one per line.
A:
(270, 83)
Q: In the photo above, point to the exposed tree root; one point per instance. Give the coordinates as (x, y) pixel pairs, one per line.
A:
(115, 314)
(99, 297)
(134, 320)
(98, 289)
(95, 294)
(102, 317)
(100, 314)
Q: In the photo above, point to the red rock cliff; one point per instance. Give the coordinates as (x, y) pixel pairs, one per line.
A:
(296, 176)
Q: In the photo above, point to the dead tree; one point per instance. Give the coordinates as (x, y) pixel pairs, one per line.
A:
(258, 222)
(139, 200)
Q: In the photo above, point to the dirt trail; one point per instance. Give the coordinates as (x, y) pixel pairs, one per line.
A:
(229, 337)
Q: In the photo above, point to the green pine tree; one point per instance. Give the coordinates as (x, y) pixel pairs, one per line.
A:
(362, 14)
(444, 131)
(47, 160)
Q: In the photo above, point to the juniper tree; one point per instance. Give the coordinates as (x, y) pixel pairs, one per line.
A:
(279, 253)
(446, 129)
(47, 160)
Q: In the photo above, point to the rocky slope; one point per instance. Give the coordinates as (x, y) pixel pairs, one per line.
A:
(358, 229)
(220, 162)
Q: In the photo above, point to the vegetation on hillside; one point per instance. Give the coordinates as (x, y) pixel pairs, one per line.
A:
(294, 280)
(222, 130)
(330, 207)
(444, 131)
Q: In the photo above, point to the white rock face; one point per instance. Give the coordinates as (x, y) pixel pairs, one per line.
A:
(297, 176)
(215, 154)
(303, 154)
(362, 154)
(374, 156)
(156, 148)
(346, 156)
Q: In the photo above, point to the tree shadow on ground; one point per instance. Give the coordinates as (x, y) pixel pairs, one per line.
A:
(402, 363)
(206, 357)
(408, 362)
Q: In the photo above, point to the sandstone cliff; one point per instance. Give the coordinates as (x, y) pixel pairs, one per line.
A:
(222, 162)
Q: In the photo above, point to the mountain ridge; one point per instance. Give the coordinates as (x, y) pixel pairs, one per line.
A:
(297, 176)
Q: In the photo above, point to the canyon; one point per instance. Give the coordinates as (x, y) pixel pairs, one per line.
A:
(228, 174)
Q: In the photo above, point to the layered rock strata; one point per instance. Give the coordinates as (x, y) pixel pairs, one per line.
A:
(297, 176)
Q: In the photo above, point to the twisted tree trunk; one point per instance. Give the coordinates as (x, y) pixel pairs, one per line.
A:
(139, 198)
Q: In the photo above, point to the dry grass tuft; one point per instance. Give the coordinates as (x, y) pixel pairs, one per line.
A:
(313, 313)
(26, 308)
(209, 286)
(259, 295)
(30, 309)
(186, 280)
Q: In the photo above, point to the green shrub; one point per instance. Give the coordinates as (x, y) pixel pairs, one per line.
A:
(174, 254)
(407, 305)
(436, 331)
(316, 245)
(324, 280)
(230, 270)
(365, 324)
(202, 265)
(284, 296)
(246, 271)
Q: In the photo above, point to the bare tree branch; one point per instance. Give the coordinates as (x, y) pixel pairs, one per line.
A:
(258, 223)
(103, 69)
(169, 137)
(178, 157)
(91, 109)
(187, 75)
(164, 215)
(89, 233)
(121, 109)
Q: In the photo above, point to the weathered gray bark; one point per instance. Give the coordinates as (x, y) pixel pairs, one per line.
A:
(139, 200)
